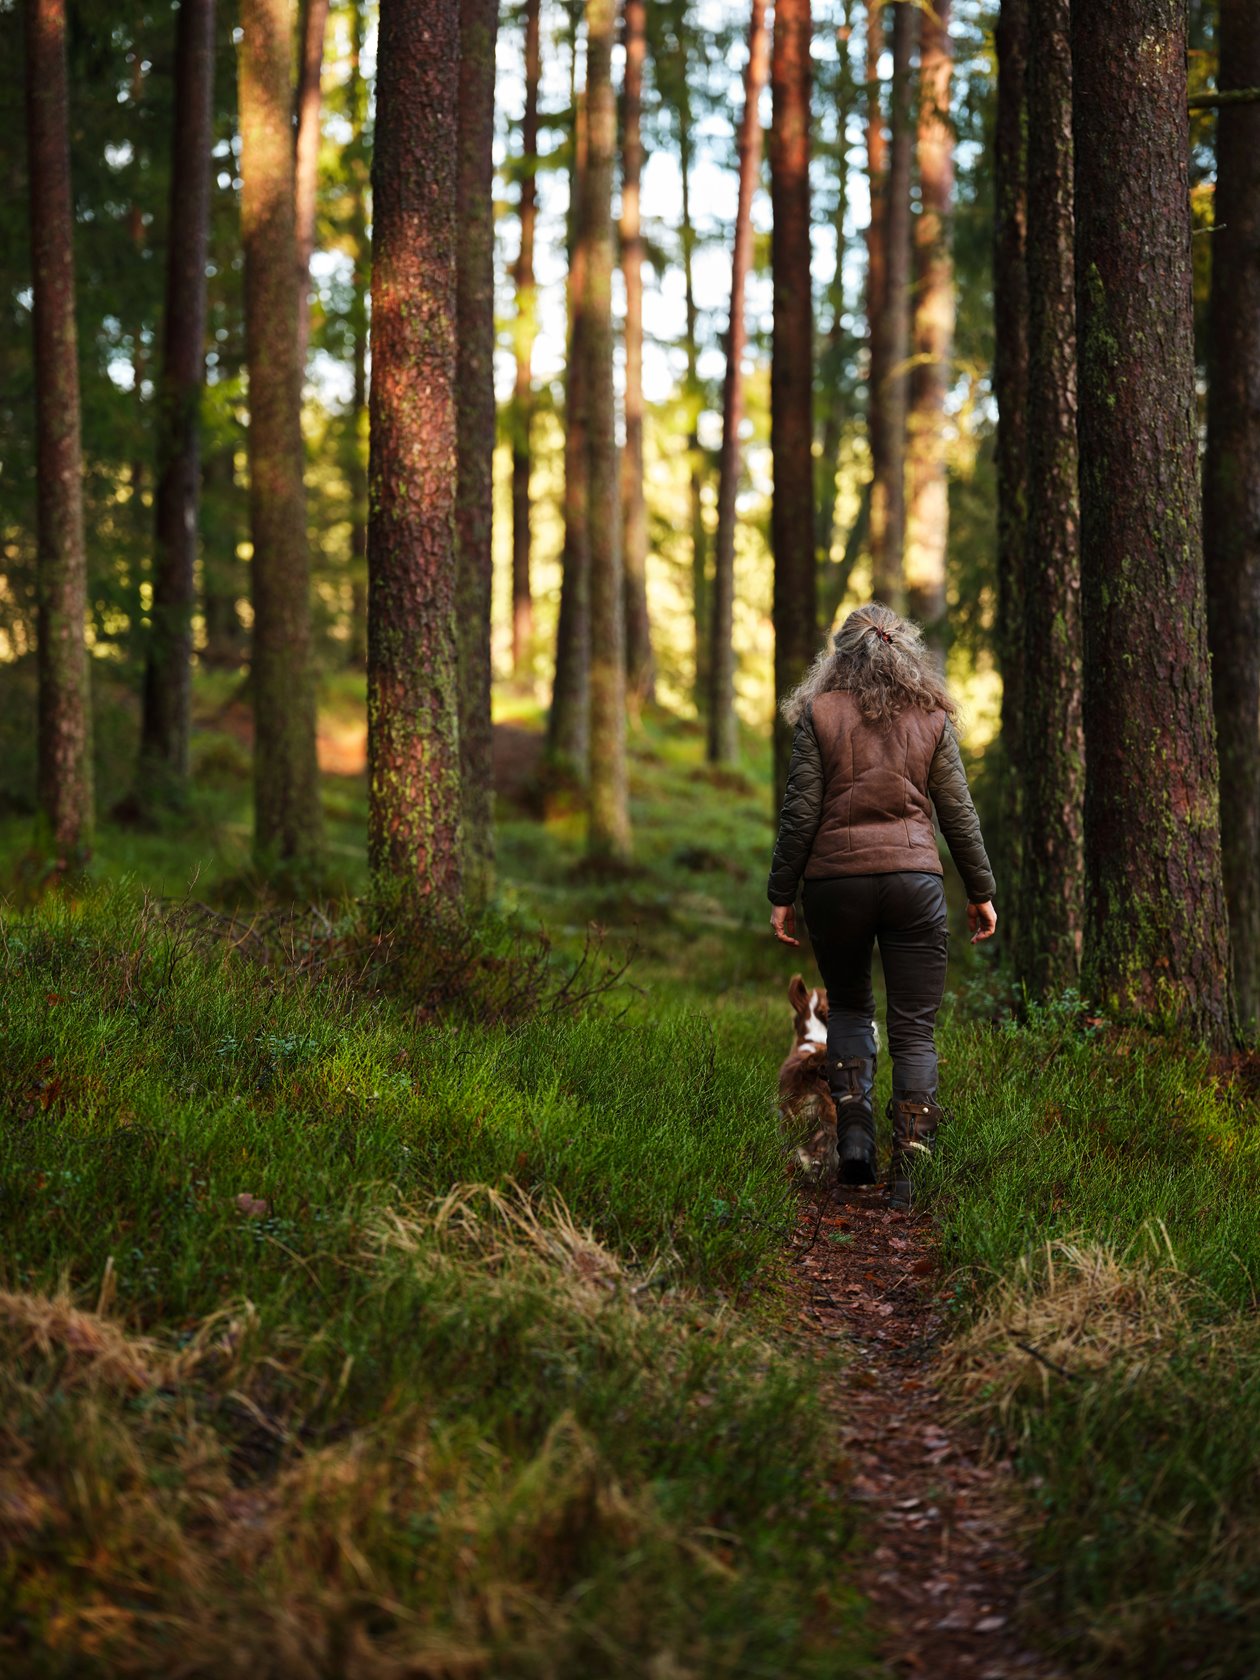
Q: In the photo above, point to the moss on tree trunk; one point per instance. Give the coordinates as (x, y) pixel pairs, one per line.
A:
(65, 721)
(479, 22)
(1232, 492)
(415, 843)
(287, 818)
(1156, 943)
(1051, 903)
(795, 608)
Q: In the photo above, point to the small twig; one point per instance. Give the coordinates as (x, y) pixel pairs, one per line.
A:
(1050, 1364)
(1223, 96)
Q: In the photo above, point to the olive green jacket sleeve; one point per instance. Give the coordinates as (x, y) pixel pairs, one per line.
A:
(947, 784)
(800, 816)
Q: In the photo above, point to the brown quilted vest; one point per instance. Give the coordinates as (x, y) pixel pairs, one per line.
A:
(876, 810)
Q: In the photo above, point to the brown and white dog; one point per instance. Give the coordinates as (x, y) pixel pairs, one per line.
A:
(806, 1110)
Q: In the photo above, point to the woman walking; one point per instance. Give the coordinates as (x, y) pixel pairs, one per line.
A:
(875, 750)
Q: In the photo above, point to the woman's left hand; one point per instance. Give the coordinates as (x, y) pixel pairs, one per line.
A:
(783, 924)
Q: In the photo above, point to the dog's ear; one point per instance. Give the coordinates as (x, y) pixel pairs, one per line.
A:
(798, 994)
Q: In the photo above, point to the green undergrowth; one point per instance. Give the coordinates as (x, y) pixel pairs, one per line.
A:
(1097, 1196)
(337, 1338)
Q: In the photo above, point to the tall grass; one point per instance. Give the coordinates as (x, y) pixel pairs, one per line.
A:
(1097, 1197)
(331, 1343)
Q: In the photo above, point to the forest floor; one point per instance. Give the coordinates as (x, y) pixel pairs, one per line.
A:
(346, 1324)
(948, 1564)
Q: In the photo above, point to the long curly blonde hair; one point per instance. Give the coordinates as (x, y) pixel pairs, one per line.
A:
(880, 659)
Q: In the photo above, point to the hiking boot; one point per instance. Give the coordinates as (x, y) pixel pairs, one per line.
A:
(852, 1081)
(915, 1118)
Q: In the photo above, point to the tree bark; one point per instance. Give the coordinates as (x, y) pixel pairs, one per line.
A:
(526, 330)
(877, 303)
(609, 808)
(568, 727)
(355, 165)
(723, 737)
(835, 346)
(639, 673)
(1232, 492)
(795, 608)
(288, 822)
(888, 498)
(312, 29)
(1010, 386)
(1052, 878)
(415, 843)
(1156, 935)
(165, 725)
(927, 535)
(695, 397)
(479, 24)
(65, 721)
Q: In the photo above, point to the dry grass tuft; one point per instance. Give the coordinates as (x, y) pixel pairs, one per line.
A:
(1070, 1311)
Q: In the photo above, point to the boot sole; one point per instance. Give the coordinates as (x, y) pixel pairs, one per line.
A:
(857, 1171)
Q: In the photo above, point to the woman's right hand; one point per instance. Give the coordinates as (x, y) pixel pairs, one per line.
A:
(982, 920)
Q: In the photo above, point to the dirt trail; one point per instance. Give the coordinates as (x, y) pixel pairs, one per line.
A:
(945, 1569)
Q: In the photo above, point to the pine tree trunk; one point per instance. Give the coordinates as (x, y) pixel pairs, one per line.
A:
(1156, 935)
(65, 720)
(723, 738)
(888, 498)
(415, 843)
(695, 399)
(1010, 386)
(1052, 878)
(639, 674)
(791, 384)
(1232, 492)
(355, 165)
(526, 330)
(479, 24)
(288, 823)
(568, 727)
(882, 585)
(312, 28)
(164, 733)
(609, 831)
(927, 523)
(835, 346)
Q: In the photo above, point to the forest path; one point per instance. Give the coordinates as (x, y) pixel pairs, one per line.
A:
(946, 1565)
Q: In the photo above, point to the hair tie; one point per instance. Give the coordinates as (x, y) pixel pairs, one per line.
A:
(882, 634)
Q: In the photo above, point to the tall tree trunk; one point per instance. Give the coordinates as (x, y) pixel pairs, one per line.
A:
(699, 547)
(888, 500)
(355, 165)
(288, 824)
(883, 578)
(639, 675)
(791, 384)
(415, 844)
(1156, 934)
(568, 727)
(479, 24)
(927, 533)
(835, 346)
(1052, 877)
(65, 721)
(1232, 492)
(313, 27)
(1010, 386)
(526, 331)
(723, 740)
(609, 832)
(168, 677)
